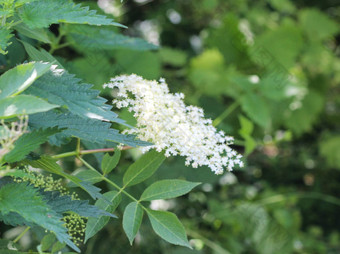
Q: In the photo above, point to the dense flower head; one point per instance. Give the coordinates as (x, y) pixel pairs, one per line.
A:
(164, 120)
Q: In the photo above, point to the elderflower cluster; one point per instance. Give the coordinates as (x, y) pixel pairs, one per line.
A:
(164, 120)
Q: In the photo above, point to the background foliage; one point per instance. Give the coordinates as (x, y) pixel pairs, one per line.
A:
(267, 71)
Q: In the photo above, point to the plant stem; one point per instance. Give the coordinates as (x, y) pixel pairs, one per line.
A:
(21, 234)
(226, 113)
(78, 147)
(121, 190)
(84, 152)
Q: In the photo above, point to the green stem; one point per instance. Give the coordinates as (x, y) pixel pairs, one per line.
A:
(21, 235)
(226, 113)
(84, 152)
(78, 147)
(121, 190)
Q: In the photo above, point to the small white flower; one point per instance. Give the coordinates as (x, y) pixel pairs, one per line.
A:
(164, 120)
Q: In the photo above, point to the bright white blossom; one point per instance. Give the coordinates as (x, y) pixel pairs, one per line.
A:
(164, 120)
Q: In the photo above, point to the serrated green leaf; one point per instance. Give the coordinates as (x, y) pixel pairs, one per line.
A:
(143, 168)
(39, 34)
(132, 219)
(15, 219)
(43, 13)
(168, 227)
(23, 105)
(92, 130)
(256, 108)
(26, 201)
(28, 143)
(166, 189)
(39, 55)
(63, 204)
(5, 36)
(93, 38)
(65, 89)
(19, 78)
(110, 162)
(93, 225)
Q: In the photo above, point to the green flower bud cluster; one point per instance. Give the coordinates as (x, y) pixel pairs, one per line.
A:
(76, 227)
(48, 183)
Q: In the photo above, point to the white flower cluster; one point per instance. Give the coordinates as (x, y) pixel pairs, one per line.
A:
(164, 119)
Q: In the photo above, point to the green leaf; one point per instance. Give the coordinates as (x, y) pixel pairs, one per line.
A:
(246, 130)
(23, 105)
(65, 89)
(47, 241)
(92, 130)
(174, 57)
(302, 119)
(110, 162)
(317, 25)
(143, 168)
(166, 189)
(57, 247)
(268, 49)
(26, 201)
(229, 40)
(206, 72)
(19, 78)
(330, 149)
(132, 219)
(43, 13)
(39, 34)
(89, 176)
(64, 203)
(93, 225)
(5, 36)
(39, 55)
(28, 143)
(168, 227)
(87, 38)
(256, 108)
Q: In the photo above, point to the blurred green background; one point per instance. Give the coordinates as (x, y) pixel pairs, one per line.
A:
(268, 73)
